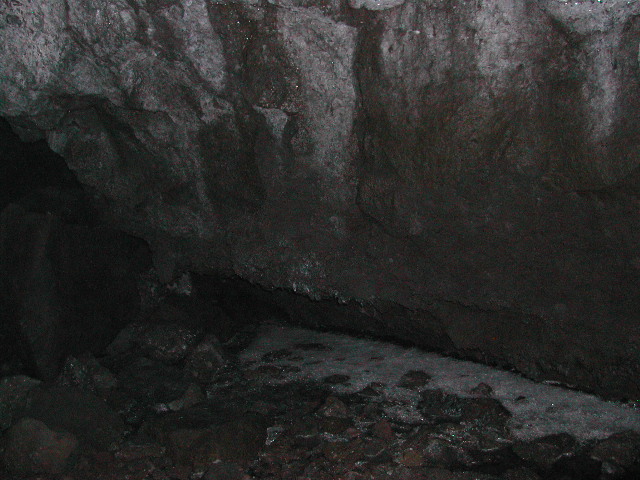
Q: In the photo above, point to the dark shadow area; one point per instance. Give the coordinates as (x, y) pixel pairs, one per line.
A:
(69, 283)
(25, 167)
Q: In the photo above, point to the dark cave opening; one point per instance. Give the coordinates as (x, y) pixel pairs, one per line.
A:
(29, 166)
(28, 170)
(115, 373)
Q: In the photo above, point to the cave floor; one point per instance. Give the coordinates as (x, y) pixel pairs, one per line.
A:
(300, 404)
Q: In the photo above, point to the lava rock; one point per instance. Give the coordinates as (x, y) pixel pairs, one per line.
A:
(334, 425)
(224, 471)
(86, 373)
(521, 474)
(424, 449)
(383, 430)
(443, 474)
(544, 452)
(137, 448)
(75, 411)
(235, 440)
(344, 452)
(169, 343)
(439, 406)
(33, 448)
(620, 450)
(154, 383)
(336, 379)
(334, 407)
(396, 472)
(414, 379)
(485, 411)
(206, 359)
(14, 392)
(482, 389)
(276, 355)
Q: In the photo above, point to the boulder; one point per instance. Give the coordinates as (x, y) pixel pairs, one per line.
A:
(33, 448)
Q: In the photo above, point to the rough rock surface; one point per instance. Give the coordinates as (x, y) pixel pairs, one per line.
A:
(33, 448)
(465, 171)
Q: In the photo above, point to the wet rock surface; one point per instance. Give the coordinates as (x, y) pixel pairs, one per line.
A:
(290, 423)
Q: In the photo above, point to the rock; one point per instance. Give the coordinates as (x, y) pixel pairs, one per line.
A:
(620, 450)
(166, 342)
(128, 408)
(78, 412)
(412, 458)
(33, 448)
(521, 474)
(334, 407)
(344, 452)
(236, 440)
(336, 379)
(423, 449)
(439, 406)
(224, 471)
(206, 359)
(86, 373)
(464, 444)
(371, 390)
(304, 427)
(136, 449)
(334, 425)
(126, 340)
(395, 472)
(485, 411)
(375, 4)
(264, 373)
(69, 287)
(192, 396)
(460, 175)
(276, 355)
(442, 474)
(414, 379)
(169, 343)
(482, 389)
(14, 392)
(177, 472)
(544, 452)
(383, 430)
(154, 383)
(312, 347)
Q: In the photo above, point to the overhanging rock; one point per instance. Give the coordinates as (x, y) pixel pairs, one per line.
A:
(466, 172)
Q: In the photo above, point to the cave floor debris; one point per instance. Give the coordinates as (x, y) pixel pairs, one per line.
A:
(537, 409)
(300, 404)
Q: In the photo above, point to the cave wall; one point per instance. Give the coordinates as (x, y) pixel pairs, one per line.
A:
(462, 174)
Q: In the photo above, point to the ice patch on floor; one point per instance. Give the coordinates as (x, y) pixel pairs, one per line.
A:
(544, 409)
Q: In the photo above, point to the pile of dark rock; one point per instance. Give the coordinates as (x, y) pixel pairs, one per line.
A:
(169, 401)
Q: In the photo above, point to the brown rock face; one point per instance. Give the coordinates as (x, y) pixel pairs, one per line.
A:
(462, 174)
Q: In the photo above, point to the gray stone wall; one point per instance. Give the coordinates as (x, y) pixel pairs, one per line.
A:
(473, 163)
